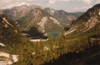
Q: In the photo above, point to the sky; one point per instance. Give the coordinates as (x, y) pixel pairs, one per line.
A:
(67, 5)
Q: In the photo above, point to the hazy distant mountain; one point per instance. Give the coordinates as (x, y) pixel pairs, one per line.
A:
(90, 20)
(62, 16)
(45, 20)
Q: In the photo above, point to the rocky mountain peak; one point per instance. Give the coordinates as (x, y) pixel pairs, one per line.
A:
(62, 12)
(50, 11)
(20, 7)
(94, 11)
(34, 6)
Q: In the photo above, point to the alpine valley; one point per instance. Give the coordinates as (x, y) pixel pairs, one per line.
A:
(24, 38)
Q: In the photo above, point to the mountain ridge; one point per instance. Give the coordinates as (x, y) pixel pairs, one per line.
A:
(87, 21)
(34, 14)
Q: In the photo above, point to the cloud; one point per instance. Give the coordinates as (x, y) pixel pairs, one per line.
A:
(11, 3)
(77, 9)
(7, 1)
(87, 1)
(68, 5)
(16, 4)
(84, 1)
(52, 1)
(97, 1)
(55, 1)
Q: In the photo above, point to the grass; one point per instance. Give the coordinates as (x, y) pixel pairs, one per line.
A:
(41, 52)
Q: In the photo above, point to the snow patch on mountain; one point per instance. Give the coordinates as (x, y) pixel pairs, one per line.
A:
(1, 44)
(51, 11)
(42, 23)
(15, 58)
(4, 54)
(10, 59)
(99, 12)
(70, 31)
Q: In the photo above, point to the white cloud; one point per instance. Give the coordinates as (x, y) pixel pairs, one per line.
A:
(55, 1)
(12, 3)
(16, 4)
(97, 1)
(52, 1)
(7, 1)
(68, 5)
(87, 1)
(84, 1)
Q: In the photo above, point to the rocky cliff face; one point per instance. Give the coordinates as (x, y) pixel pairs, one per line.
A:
(46, 20)
(63, 16)
(88, 20)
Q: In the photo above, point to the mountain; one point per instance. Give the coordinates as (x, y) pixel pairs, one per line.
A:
(10, 37)
(8, 31)
(18, 12)
(63, 16)
(45, 20)
(90, 20)
(79, 50)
